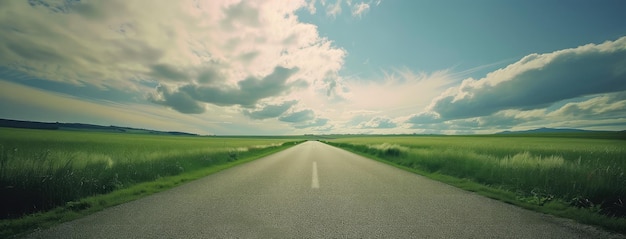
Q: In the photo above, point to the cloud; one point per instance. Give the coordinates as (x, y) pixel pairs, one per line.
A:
(595, 111)
(167, 72)
(424, 118)
(359, 9)
(240, 13)
(378, 123)
(597, 107)
(590, 111)
(246, 93)
(178, 100)
(318, 122)
(220, 52)
(46, 106)
(311, 7)
(537, 81)
(501, 120)
(402, 89)
(210, 76)
(298, 116)
(270, 111)
(303, 119)
(334, 9)
(572, 88)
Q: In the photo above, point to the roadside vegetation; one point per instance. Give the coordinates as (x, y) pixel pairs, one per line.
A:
(47, 177)
(578, 178)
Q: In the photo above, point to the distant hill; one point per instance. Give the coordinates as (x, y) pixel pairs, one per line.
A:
(566, 133)
(82, 127)
(548, 130)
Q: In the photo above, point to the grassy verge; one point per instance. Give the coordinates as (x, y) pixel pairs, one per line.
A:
(51, 176)
(554, 179)
(85, 206)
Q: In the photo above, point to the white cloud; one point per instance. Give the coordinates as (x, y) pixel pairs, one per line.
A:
(249, 62)
(359, 9)
(311, 7)
(334, 9)
(354, 102)
(537, 81)
(378, 123)
(597, 107)
(403, 91)
(177, 44)
(601, 112)
(577, 87)
(351, 102)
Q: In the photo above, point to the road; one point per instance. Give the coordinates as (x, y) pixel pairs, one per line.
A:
(313, 190)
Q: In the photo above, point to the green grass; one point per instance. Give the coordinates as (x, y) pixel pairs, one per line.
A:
(574, 177)
(47, 177)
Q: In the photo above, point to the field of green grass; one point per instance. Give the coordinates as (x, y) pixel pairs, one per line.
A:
(41, 170)
(47, 177)
(557, 173)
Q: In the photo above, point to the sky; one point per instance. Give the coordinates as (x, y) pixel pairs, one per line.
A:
(275, 67)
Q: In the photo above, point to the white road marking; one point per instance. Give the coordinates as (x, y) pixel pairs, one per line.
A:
(315, 182)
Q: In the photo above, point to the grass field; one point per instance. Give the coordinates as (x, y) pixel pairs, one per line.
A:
(41, 170)
(557, 172)
(60, 175)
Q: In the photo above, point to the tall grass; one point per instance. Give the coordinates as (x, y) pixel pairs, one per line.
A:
(40, 170)
(583, 172)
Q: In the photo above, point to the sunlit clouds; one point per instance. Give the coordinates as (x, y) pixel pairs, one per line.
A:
(537, 82)
(295, 67)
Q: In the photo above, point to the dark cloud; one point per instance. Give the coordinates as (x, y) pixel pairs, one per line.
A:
(83, 8)
(136, 51)
(34, 41)
(592, 111)
(168, 72)
(248, 92)
(332, 84)
(538, 81)
(211, 74)
(270, 111)
(208, 76)
(89, 10)
(82, 91)
(303, 119)
(249, 56)
(54, 6)
(178, 100)
(298, 116)
(334, 89)
(30, 50)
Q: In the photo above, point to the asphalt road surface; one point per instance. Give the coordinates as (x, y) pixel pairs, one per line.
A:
(313, 190)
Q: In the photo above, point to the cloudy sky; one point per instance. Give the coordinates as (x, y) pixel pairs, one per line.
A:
(232, 67)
